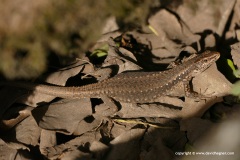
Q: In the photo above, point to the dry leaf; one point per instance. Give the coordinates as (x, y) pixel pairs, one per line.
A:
(63, 116)
(127, 145)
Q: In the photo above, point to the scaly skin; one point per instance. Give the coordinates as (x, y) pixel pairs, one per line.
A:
(135, 87)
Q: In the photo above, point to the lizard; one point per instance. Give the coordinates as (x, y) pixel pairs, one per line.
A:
(137, 86)
(134, 87)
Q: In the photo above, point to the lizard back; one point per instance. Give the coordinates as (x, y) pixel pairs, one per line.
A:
(147, 86)
(139, 87)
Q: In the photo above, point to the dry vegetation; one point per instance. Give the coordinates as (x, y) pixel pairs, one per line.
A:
(36, 38)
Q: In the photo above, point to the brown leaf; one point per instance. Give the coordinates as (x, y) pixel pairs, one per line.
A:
(63, 116)
(84, 126)
(47, 139)
(59, 78)
(77, 145)
(25, 133)
(99, 149)
(235, 54)
(130, 110)
(168, 26)
(6, 152)
(206, 15)
(127, 145)
(28, 132)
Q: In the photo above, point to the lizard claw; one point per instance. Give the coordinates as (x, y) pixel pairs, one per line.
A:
(204, 96)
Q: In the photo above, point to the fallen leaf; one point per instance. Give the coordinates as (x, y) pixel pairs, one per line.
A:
(127, 145)
(63, 116)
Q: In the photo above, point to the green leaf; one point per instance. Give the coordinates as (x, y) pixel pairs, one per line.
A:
(231, 65)
(236, 89)
(100, 52)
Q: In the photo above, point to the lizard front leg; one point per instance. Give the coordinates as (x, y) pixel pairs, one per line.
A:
(189, 92)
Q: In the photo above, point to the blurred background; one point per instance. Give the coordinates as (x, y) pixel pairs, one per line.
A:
(38, 35)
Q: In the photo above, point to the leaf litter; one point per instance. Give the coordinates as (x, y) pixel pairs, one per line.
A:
(78, 129)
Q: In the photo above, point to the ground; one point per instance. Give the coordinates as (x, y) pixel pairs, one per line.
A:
(65, 43)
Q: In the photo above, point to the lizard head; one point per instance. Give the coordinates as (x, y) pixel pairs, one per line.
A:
(205, 60)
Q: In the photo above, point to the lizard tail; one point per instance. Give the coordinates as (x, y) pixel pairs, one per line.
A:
(53, 90)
